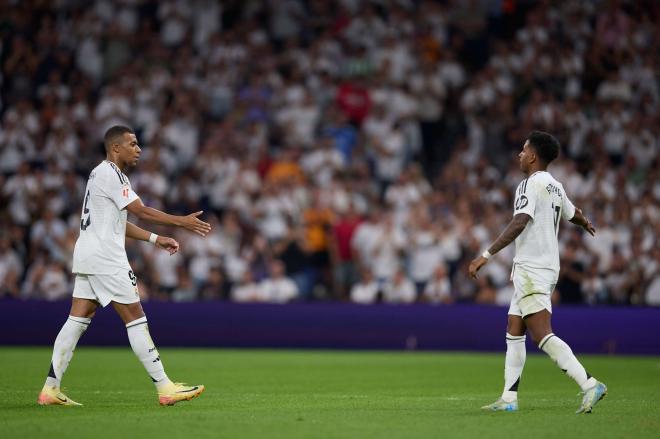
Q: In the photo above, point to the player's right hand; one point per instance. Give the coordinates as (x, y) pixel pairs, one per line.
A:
(475, 265)
(196, 225)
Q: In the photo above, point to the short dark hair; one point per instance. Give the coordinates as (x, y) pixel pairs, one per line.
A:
(545, 145)
(113, 133)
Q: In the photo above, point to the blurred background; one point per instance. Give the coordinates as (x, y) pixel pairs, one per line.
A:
(343, 150)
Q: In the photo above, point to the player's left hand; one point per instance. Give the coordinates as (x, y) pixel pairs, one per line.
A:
(168, 244)
(475, 265)
(589, 227)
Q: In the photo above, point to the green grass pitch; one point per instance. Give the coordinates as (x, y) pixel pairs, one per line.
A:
(323, 394)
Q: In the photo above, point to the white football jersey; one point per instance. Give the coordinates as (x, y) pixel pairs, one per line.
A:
(542, 198)
(100, 246)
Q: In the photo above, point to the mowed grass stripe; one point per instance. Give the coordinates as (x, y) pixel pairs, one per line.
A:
(333, 394)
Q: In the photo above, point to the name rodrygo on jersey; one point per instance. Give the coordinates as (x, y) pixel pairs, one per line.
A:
(100, 246)
(542, 198)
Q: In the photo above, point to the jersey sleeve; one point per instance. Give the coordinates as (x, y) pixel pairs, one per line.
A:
(567, 208)
(525, 201)
(116, 186)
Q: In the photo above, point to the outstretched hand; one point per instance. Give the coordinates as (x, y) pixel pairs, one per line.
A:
(168, 244)
(475, 265)
(583, 222)
(195, 225)
(589, 227)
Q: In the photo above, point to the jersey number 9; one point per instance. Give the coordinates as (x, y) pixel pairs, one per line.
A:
(86, 219)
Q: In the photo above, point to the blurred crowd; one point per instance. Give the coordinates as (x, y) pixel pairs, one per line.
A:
(342, 150)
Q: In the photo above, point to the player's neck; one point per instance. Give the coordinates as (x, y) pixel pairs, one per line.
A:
(534, 169)
(116, 162)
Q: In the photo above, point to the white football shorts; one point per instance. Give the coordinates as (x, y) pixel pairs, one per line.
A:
(120, 287)
(532, 291)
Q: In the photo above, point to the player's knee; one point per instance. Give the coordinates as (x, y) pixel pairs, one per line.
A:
(83, 308)
(515, 331)
(515, 326)
(128, 312)
(538, 334)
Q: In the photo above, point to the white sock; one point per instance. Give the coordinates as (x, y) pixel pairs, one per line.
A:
(513, 366)
(65, 343)
(145, 350)
(562, 354)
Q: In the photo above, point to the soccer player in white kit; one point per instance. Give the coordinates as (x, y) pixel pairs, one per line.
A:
(103, 274)
(540, 203)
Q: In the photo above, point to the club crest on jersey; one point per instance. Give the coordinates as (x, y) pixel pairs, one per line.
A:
(521, 202)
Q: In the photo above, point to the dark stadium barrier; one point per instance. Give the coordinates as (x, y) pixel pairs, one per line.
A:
(338, 325)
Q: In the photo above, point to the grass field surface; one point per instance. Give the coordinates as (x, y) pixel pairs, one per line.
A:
(323, 394)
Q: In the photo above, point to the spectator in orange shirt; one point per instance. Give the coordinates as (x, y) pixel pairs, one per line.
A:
(317, 220)
(286, 168)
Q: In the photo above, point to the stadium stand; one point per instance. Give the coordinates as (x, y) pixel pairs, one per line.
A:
(333, 144)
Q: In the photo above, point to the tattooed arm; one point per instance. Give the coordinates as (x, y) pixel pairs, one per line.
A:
(510, 233)
(515, 228)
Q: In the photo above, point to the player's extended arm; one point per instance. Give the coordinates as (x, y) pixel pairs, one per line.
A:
(511, 232)
(515, 228)
(582, 221)
(164, 242)
(188, 222)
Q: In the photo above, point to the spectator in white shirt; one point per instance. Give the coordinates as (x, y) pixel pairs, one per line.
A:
(399, 289)
(49, 233)
(11, 269)
(363, 239)
(278, 288)
(389, 156)
(365, 291)
(247, 290)
(47, 280)
(386, 249)
(438, 288)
